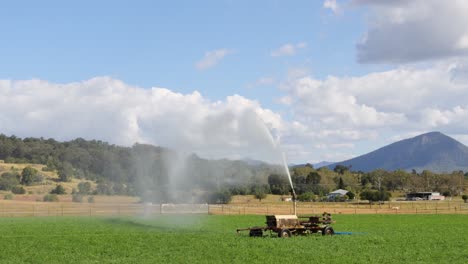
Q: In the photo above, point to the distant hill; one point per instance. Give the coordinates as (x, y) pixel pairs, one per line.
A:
(433, 151)
(322, 164)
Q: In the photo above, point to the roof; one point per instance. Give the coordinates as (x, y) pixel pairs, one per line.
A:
(339, 191)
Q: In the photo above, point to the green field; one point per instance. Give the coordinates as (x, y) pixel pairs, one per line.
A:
(212, 239)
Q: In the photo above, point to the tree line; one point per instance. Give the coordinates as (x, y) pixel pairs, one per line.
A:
(159, 174)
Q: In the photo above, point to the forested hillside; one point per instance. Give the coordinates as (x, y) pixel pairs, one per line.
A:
(152, 172)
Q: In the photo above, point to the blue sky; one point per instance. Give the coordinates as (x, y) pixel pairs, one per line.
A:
(157, 43)
(282, 57)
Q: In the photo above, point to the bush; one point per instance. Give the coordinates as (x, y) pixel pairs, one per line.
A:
(8, 180)
(91, 199)
(220, 197)
(260, 194)
(84, 187)
(28, 175)
(58, 190)
(105, 188)
(77, 198)
(465, 198)
(18, 190)
(306, 197)
(8, 196)
(374, 196)
(50, 198)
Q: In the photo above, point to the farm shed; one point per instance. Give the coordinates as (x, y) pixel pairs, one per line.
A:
(414, 196)
(336, 194)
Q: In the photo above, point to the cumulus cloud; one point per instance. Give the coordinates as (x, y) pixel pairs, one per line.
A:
(332, 5)
(107, 109)
(212, 58)
(334, 118)
(288, 49)
(411, 31)
(352, 112)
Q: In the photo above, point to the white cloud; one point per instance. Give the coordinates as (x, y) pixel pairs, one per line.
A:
(288, 49)
(326, 119)
(107, 109)
(332, 5)
(410, 31)
(372, 110)
(212, 58)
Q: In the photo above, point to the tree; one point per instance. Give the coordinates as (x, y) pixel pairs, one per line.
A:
(313, 178)
(77, 198)
(278, 184)
(341, 169)
(341, 184)
(260, 194)
(465, 198)
(220, 197)
(375, 195)
(84, 187)
(27, 175)
(306, 197)
(66, 172)
(58, 190)
(8, 180)
(104, 188)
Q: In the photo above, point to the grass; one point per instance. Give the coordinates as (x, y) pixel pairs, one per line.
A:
(212, 239)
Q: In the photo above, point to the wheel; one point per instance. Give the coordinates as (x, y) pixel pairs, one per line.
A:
(284, 233)
(328, 231)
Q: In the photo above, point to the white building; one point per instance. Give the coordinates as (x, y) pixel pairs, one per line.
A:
(414, 196)
(336, 194)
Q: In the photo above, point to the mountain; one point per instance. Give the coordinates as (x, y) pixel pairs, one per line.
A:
(432, 151)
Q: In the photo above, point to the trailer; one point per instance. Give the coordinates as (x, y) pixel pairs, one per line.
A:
(289, 225)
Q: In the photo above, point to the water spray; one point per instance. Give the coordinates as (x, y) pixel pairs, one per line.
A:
(286, 168)
(275, 146)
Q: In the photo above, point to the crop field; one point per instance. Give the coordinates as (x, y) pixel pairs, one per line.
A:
(212, 239)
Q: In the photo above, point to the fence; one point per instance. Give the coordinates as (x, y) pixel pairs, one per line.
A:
(426, 207)
(28, 209)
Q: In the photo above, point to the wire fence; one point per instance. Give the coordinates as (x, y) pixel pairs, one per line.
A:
(94, 209)
(32, 209)
(424, 207)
